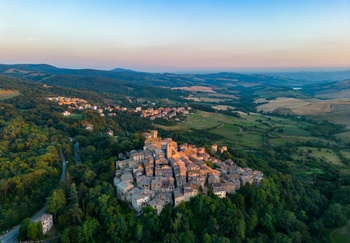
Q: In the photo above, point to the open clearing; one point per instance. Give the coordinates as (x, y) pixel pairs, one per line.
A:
(249, 131)
(340, 117)
(320, 154)
(210, 97)
(281, 103)
(345, 153)
(205, 120)
(341, 235)
(204, 99)
(76, 116)
(7, 94)
(196, 89)
(305, 106)
(222, 107)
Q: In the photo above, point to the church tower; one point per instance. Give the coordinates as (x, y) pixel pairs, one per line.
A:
(169, 151)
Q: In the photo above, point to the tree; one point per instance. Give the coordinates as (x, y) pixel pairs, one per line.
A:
(89, 229)
(23, 230)
(90, 149)
(73, 195)
(138, 232)
(335, 215)
(207, 238)
(75, 213)
(56, 202)
(32, 231)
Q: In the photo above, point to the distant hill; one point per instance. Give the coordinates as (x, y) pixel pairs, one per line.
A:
(39, 72)
(113, 86)
(30, 88)
(121, 81)
(29, 67)
(122, 70)
(315, 77)
(334, 90)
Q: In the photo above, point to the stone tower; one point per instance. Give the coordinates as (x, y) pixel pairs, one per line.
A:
(154, 133)
(169, 151)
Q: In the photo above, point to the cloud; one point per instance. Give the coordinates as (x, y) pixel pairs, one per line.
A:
(32, 38)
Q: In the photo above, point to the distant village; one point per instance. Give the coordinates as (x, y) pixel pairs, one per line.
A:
(165, 173)
(151, 113)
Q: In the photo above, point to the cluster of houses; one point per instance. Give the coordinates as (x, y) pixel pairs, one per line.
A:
(152, 113)
(165, 113)
(164, 173)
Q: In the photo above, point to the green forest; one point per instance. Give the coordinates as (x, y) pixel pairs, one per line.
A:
(284, 208)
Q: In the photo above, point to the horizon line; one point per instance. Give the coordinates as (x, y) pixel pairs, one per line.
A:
(250, 70)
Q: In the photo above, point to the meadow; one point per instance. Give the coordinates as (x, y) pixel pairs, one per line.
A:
(320, 154)
(340, 235)
(248, 131)
(7, 94)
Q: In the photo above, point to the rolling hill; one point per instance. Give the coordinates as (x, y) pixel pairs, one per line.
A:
(39, 72)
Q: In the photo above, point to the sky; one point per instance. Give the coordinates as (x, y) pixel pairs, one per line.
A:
(177, 35)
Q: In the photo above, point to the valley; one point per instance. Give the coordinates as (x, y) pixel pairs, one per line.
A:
(296, 138)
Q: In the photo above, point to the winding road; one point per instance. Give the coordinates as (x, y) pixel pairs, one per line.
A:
(11, 236)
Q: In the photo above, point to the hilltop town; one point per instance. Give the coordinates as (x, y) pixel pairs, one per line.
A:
(151, 113)
(164, 173)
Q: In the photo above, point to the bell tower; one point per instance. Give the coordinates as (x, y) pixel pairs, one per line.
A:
(169, 151)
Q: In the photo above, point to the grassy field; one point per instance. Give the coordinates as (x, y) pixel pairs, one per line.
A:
(249, 131)
(205, 120)
(320, 154)
(211, 97)
(334, 111)
(341, 235)
(275, 92)
(344, 136)
(205, 99)
(76, 116)
(340, 117)
(235, 134)
(7, 94)
(345, 153)
(278, 141)
(196, 88)
(222, 107)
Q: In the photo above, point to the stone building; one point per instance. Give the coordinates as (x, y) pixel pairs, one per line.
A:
(46, 221)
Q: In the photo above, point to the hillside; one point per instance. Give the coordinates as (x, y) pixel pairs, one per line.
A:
(334, 90)
(314, 77)
(29, 89)
(40, 72)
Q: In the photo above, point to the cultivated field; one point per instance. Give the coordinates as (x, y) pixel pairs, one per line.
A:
(313, 107)
(210, 97)
(196, 89)
(222, 107)
(340, 117)
(204, 99)
(7, 94)
(249, 131)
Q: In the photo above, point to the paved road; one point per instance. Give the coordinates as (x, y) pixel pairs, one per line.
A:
(76, 153)
(11, 236)
(64, 165)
